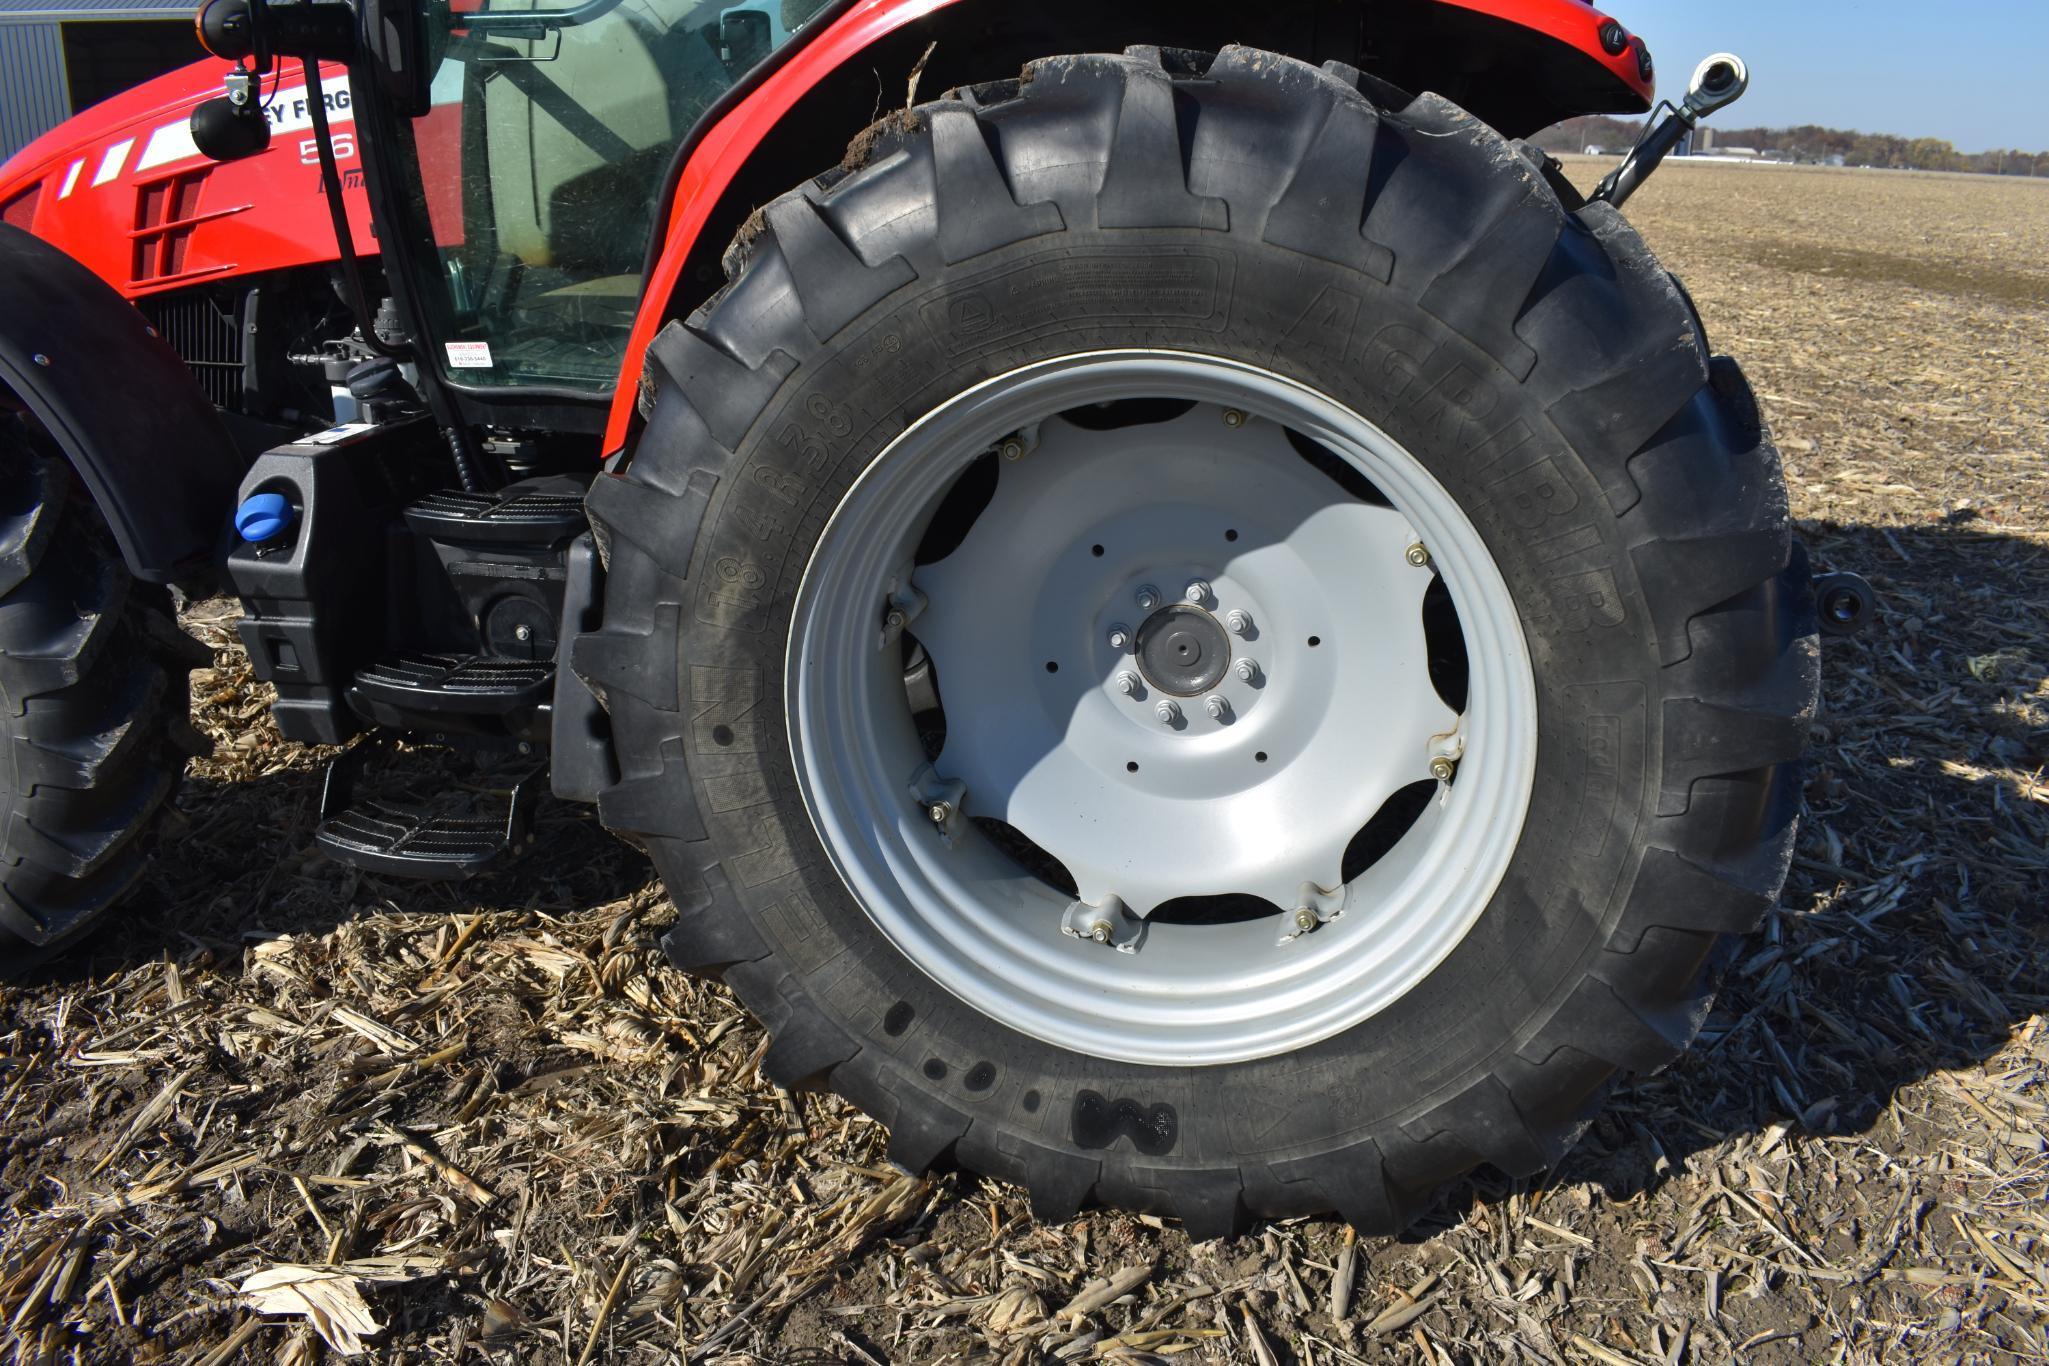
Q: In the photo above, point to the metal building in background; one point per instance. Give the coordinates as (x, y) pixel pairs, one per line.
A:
(60, 56)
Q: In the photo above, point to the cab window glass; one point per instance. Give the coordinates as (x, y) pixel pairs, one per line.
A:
(551, 129)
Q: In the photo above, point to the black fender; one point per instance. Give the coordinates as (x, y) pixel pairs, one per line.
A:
(121, 405)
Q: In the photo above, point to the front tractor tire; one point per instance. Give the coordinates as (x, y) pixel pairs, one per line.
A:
(1200, 635)
(94, 707)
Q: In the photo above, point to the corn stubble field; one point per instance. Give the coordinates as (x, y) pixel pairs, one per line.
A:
(488, 1124)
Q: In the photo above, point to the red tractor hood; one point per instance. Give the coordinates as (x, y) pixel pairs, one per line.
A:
(122, 189)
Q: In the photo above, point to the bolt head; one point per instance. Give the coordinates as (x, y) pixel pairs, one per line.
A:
(1168, 712)
(1012, 449)
(522, 633)
(1148, 597)
(1239, 621)
(1305, 920)
(1247, 670)
(1443, 769)
(1120, 637)
(940, 812)
(1127, 683)
(1418, 555)
(1233, 417)
(1197, 591)
(40, 358)
(1217, 708)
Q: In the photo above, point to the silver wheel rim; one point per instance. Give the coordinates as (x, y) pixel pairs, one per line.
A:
(1258, 793)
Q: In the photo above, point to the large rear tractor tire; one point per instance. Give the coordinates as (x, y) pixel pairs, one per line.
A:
(94, 707)
(1199, 634)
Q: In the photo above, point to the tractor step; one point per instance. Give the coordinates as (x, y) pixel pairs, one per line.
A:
(538, 512)
(398, 691)
(451, 838)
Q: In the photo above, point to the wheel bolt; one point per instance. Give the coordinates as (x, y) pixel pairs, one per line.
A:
(1418, 555)
(1248, 671)
(1169, 713)
(1305, 920)
(1120, 637)
(1197, 590)
(1218, 708)
(1240, 622)
(1148, 597)
(1443, 769)
(1127, 683)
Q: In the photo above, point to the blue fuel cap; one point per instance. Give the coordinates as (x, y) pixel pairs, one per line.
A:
(263, 517)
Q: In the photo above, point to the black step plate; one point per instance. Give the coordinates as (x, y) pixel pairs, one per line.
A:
(462, 685)
(524, 516)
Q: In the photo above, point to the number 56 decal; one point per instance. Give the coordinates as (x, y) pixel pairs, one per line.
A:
(309, 149)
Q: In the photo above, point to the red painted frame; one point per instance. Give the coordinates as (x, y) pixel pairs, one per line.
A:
(716, 160)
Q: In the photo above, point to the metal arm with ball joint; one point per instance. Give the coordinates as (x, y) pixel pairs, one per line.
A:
(1717, 83)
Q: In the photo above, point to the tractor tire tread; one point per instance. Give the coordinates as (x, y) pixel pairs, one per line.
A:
(1412, 192)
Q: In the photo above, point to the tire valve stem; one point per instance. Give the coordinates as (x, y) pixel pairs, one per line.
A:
(1305, 920)
(1100, 931)
(1012, 448)
(940, 812)
(1417, 554)
(1234, 417)
(1443, 769)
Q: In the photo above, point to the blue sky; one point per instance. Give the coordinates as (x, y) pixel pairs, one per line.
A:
(1973, 71)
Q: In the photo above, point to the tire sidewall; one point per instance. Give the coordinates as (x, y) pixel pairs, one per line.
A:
(1539, 509)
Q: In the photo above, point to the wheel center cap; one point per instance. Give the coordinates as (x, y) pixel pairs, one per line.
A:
(1183, 650)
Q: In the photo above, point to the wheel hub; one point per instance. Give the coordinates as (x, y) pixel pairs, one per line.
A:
(1183, 650)
(1178, 665)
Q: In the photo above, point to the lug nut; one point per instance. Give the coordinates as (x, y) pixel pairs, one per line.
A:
(1239, 621)
(1248, 671)
(1443, 769)
(1218, 708)
(1305, 920)
(1169, 713)
(1120, 637)
(1148, 597)
(1418, 554)
(1197, 591)
(940, 812)
(1127, 683)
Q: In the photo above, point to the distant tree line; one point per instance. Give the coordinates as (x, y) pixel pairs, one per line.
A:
(1810, 143)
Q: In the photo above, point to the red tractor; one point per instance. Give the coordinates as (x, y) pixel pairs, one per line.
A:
(1191, 627)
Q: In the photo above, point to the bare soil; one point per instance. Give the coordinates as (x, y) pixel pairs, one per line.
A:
(504, 1129)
